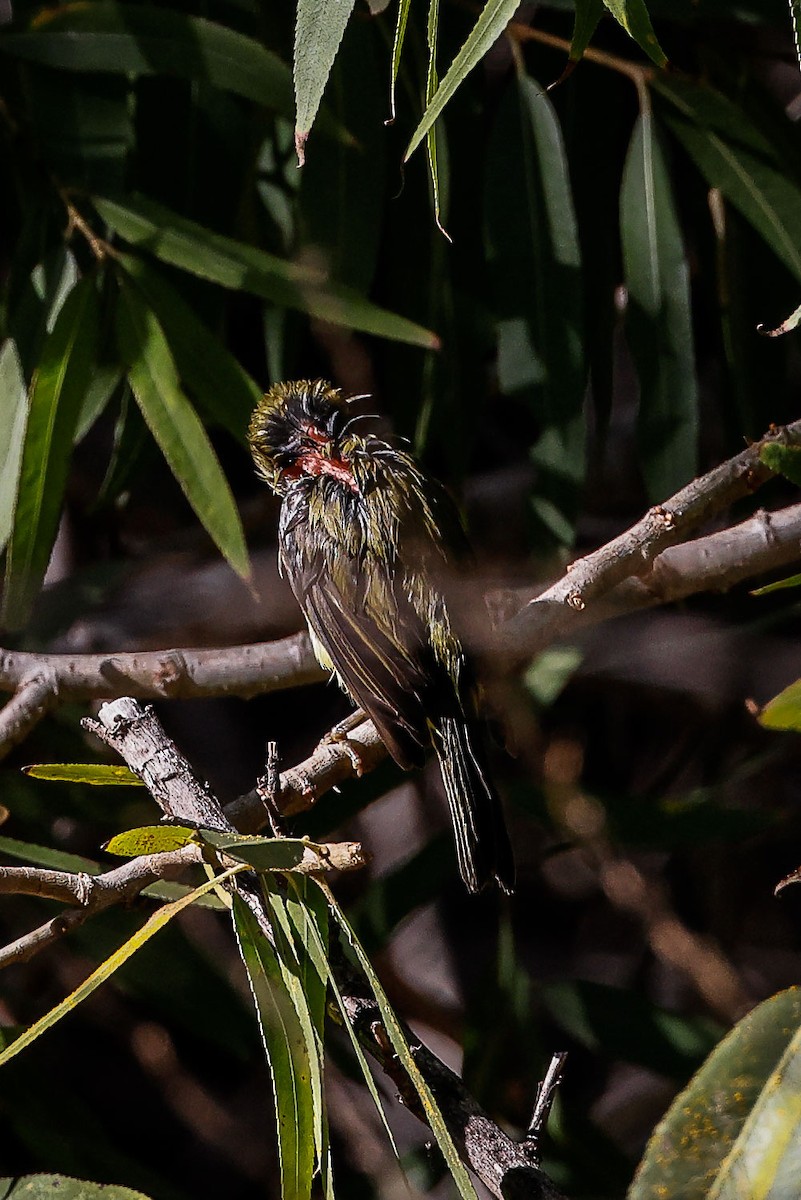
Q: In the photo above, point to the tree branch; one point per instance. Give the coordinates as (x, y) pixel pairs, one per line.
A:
(509, 1169)
(552, 613)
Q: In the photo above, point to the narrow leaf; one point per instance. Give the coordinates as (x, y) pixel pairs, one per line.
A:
(319, 28)
(400, 1046)
(494, 18)
(287, 1053)
(176, 427)
(397, 48)
(633, 16)
(115, 960)
(733, 156)
(13, 413)
(223, 389)
(791, 582)
(94, 774)
(184, 244)
(57, 392)
(588, 14)
(151, 839)
(135, 39)
(659, 319)
(312, 930)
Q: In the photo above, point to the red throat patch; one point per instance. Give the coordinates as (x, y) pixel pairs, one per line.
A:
(313, 463)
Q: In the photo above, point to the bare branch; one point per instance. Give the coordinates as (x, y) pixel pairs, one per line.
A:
(39, 681)
(552, 614)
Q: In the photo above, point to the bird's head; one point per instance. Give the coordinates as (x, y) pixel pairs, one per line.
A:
(300, 429)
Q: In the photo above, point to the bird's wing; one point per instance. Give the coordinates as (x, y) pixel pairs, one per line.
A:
(381, 658)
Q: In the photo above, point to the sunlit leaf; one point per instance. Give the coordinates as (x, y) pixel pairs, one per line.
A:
(633, 16)
(57, 392)
(176, 427)
(396, 1036)
(232, 264)
(287, 1052)
(785, 460)
(658, 319)
(95, 774)
(686, 1152)
(397, 49)
(112, 963)
(494, 18)
(13, 412)
(791, 582)
(784, 710)
(312, 928)
(766, 1158)
(150, 839)
(319, 28)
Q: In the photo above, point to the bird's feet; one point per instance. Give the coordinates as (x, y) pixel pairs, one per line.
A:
(338, 736)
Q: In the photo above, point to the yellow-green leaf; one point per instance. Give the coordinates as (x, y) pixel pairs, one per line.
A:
(111, 964)
(784, 710)
(150, 839)
(95, 774)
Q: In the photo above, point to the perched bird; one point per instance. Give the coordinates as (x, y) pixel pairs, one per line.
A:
(366, 540)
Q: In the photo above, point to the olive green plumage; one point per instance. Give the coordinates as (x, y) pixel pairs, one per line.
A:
(366, 541)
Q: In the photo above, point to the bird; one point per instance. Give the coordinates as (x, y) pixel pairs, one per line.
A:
(367, 540)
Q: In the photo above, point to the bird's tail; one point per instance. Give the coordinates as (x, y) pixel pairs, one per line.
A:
(482, 842)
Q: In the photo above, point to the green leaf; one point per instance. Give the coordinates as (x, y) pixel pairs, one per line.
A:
(397, 49)
(288, 1054)
(46, 856)
(63, 1187)
(319, 28)
(687, 1151)
(176, 427)
(106, 378)
(659, 319)
(57, 392)
(13, 413)
(311, 923)
(224, 390)
(791, 582)
(299, 972)
(732, 155)
(766, 1153)
(588, 14)
(134, 39)
(396, 1036)
(535, 272)
(633, 16)
(184, 244)
(491, 23)
(784, 460)
(95, 774)
(795, 16)
(784, 710)
(112, 963)
(262, 853)
(151, 839)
